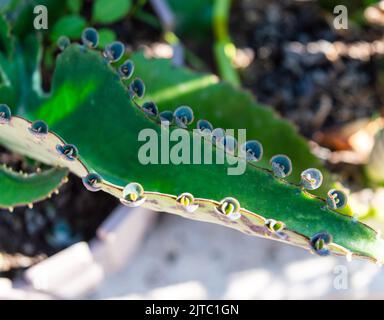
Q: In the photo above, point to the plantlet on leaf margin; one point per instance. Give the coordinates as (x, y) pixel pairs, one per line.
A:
(68, 151)
(126, 69)
(187, 202)
(336, 199)
(217, 135)
(229, 144)
(320, 242)
(137, 88)
(166, 116)
(281, 165)
(311, 179)
(183, 116)
(92, 181)
(114, 51)
(5, 114)
(253, 150)
(39, 128)
(204, 126)
(150, 109)
(274, 226)
(63, 42)
(230, 207)
(90, 37)
(133, 195)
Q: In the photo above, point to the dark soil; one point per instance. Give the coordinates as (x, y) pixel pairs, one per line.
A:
(307, 88)
(72, 215)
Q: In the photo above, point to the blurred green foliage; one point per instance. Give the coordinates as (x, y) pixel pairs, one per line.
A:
(70, 26)
(107, 11)
(193, 17)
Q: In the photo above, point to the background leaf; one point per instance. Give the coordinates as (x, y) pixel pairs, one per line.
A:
(70, 26)
(193, 18)
(17, 189)
(74, 5)
(20, 77)
(106, 36)
(106, 11)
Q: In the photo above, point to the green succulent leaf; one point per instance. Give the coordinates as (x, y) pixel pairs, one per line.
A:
(74, 5)
(90, 108)
(227, 107)
(20, 77)
(106, 11)
(17, 189)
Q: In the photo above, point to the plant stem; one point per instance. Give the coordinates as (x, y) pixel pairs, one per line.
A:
(224, 49)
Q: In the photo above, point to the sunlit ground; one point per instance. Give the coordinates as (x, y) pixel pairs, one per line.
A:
(183, 259)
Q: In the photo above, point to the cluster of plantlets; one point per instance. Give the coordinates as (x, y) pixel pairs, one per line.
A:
(95, 106)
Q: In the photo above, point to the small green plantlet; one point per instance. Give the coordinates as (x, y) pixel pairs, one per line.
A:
(94, 119)
(320, 242)
(133, 195)
(90, 38)
(274, 226)
(311, 179)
